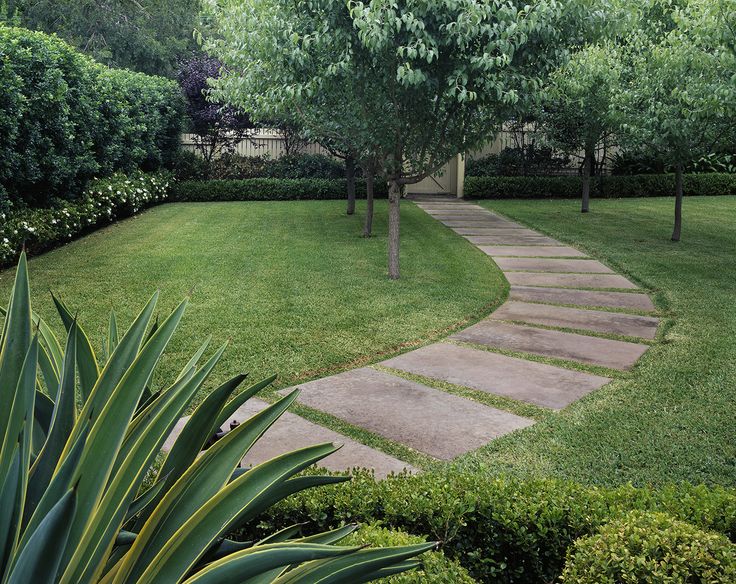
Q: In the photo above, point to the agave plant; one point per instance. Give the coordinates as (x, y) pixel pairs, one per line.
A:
(80, 437)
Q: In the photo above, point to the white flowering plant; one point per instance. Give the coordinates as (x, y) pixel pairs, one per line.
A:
(104, 201)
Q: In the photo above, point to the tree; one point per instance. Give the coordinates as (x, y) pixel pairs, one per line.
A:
(431, 78)
(577, 112)
(145, 35)
(678, 99)
(218, 128)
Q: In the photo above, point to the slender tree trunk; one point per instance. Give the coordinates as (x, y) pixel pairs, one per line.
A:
(587, 172)
(350, 176)
(369, 179)
(676, 232)
(394, 217)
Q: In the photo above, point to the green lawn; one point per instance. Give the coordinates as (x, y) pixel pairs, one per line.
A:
(293, 286)
(673, 418)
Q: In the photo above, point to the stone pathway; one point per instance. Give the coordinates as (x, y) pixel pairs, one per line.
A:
(562, 305)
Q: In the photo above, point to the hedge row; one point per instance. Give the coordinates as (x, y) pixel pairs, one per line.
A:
(269, 189)
(501, 530)
(103, 202)
(642, 185)
(65, 118)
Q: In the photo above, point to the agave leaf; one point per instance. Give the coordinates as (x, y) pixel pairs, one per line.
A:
(38, 561)
(49, 372)
(144, 500)
(388, 571)
(145, 444)
(358, 567)
(87, 366)
(229, 506)
(110, 426)
(282, 535)
(43, 413)
(201, 481)
(232, 406)
(125, 538)
(192, 363)
(62, 422)
(224, 547)
(331, 536)
(240, 566)
(14, 346)
(8, 497)
(112, 334)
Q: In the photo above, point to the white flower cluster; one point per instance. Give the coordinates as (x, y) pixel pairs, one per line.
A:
(103, 202)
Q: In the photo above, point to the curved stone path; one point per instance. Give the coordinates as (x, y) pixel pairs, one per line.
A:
(562, 306)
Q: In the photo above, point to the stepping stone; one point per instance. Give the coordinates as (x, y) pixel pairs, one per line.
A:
(570, 280)
(458, 216)
(515, 238)
(431, 421)
(577, 318)
(511, 232)
(553, 265)
(479, 223)
(582, 297)
(551, 251)
(292, 432)
(537, 383)
(592, 350)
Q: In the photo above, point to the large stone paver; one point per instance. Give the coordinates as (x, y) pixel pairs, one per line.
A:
(553, 265)
(426, 419)
(292, 432)
(537, 383)
(592, 350)
(569, 280)
(508, 232)
(507, 238)
(630, 300)
(478, 223)
(576, 318)
(551, 251)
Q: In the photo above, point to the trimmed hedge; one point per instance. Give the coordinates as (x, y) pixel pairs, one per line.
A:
(104, 201)
(651, 547)
(269, 189)
(65, 118)
(500, 530)
(570, 187)
(436, 568)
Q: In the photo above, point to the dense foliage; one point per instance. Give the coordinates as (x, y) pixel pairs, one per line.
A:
(143, 35)
(65, 119)
(269, 189)
(528, 160)
(217, 128)
(74, 458)
(104, 201)
(568, 187)
(501, 530)
(651, 547)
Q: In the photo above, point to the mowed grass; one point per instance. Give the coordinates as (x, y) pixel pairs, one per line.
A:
(292, 285)
(673, 418)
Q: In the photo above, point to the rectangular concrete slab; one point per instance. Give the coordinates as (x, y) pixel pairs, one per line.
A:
(508, 239)
(426, 419)
(630, 300)
(537, 383)
(478, 223)
(578, 318)
(553, 265)
(551, 251)
(591, 350)
(570, 280)
(292, 432)
(511, 232)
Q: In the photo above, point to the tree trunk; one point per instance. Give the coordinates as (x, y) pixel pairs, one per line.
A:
(350, 176)
(369, 178)
(587, 172)
(676, 232)
(394, 217)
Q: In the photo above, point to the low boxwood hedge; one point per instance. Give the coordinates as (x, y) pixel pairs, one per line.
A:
(500, 530)
(570, 187)
(270, 189)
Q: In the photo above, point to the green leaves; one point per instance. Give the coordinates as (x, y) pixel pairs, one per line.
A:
(75, 513)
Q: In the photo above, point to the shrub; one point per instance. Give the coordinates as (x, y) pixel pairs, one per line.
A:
(73, 461)
(500, 530)
(651, 548)
(269, 189)
(436, 568)
(104, 201)
(529, 161)
(65, 118)
(563, 187)
(236, 167)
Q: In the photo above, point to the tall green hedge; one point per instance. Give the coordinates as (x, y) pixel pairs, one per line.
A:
(65, 118)
(570, 187)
